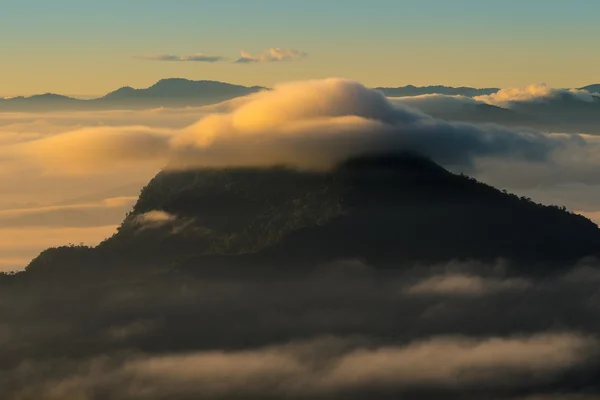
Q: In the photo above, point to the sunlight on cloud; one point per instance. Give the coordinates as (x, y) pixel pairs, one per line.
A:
(533, 93)
(333, 367)
(455, 284)
(274, 54)
(313, 124)
(317, 124)
(47, 158)
(155, 217)
(84, 150)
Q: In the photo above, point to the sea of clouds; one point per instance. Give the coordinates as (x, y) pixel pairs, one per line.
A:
(86, 168)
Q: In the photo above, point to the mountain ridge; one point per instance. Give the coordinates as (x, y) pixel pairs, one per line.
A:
(170, 92)
(411, 90)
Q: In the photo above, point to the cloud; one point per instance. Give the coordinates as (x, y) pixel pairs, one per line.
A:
(50, 123)
(274, 54)
(536, 93)
(319, 123)
(86, 214)
(49, 198)
(576, 161)
(329, 368)
(190, 58)
(113, 202)
(351, 332)
(436, 102)
(154, 217)
(48, 157)
(458, 284)
(82, 151)
(489, 361)
(311, 124)
(271, 55)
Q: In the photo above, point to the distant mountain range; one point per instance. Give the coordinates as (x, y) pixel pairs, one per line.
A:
(174, 92)
(562, 114)
(592, 88)
(178, 92)
(411, 90)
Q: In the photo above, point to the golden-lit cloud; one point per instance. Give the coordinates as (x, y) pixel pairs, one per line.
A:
(155, 217)
(533, 93)
(319, 123)
(311, 124)
(83, 150)
(460, 284)
(334, 367)
(273, 54)
(115, 202)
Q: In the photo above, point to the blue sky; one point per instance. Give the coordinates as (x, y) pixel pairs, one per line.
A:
(90, 47)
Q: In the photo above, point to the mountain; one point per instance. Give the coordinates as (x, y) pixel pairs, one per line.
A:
(463, 111)
(41, 102)
(564, 113)
(178, 92)
(390, 211)
(411, 90)
(592, 88)
(173, 92)
(561, 113)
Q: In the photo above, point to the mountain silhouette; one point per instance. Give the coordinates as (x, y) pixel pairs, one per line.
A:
(476, 113)
(411, 90)
(174, 92)
(592, 88)
(390, 211)
(179, 92)
(47, 101)
(563, 113)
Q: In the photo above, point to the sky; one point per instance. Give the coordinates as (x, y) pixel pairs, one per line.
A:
(84, 47)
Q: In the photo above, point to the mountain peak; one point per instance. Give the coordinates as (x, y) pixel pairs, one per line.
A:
(181, 92)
